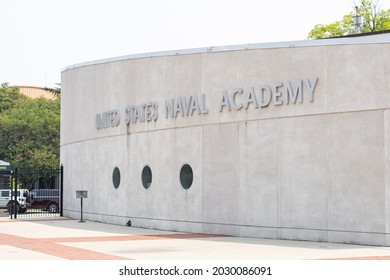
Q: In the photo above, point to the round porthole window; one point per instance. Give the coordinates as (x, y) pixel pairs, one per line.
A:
(146, 177)
(116, 177)
(186, 176)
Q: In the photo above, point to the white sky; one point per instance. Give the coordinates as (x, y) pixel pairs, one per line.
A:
(41, 37)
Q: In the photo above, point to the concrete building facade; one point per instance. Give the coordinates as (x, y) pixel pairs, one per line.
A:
(285, 140)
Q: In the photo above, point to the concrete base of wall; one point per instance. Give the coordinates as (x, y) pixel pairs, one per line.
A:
(317, 235)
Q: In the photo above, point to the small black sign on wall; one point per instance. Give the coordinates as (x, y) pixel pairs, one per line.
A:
(81, 194)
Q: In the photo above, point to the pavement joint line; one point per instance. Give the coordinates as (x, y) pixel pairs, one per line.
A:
(33, 219)
(131, 237)
(28, 219)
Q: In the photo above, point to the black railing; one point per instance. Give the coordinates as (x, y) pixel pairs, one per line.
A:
(36, 193)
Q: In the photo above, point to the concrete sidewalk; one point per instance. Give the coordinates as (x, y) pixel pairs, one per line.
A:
(62, 238)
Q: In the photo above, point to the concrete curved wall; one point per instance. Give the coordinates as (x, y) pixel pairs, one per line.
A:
(311, 164)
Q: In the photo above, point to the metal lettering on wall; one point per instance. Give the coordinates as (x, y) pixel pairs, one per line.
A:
(265, 95)
(277, 94)
(108, 119)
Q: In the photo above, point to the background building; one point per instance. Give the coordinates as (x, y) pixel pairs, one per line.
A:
(5, 173)
(35, 92)
(284, 140)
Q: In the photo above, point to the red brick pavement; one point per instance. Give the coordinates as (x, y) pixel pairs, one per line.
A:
(50, 246)
(374, 258)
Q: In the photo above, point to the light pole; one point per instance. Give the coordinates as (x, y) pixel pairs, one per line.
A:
(357, 20)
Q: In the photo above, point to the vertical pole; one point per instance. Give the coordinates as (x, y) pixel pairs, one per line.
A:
(15, 193)
(11, 188)
(82, 210)
(62, 191)
(81, 218)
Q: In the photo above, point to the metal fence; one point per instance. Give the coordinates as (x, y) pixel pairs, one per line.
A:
(36, 193)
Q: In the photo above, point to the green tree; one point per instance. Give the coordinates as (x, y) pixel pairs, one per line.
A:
(56, 91)
(8, 96)
(338, 28)
(374, 19)
(29, 131)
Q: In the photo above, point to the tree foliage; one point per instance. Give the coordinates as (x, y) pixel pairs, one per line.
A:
(374, 19)
(56, 91)
(8, 96)
(338, 28)
(29, 130)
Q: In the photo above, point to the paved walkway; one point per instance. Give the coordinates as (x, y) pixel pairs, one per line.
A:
(62, 238)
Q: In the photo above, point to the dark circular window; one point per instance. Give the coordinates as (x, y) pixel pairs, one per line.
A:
(186, 176)
(146, 177)
(116, 177)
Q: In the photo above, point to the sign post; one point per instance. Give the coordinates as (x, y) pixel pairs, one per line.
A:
(81, 195)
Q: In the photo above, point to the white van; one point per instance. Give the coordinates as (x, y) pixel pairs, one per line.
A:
(4, 198)
(21, 199)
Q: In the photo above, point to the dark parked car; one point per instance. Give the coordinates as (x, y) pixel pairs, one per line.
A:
(45, 199)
